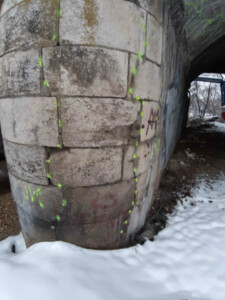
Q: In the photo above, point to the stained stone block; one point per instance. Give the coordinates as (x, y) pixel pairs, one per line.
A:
(101, 203)
(26, 162)
(86, 167)
(100, 235)
(116, 24)
(86, 71)
(155, 7)
(91, 122)
(154, 40)
(26, 23)
(147, 80)
(31, 121)
(20, 73)
(35, 230)
(141, 162)
(150, 120)
(29, 196)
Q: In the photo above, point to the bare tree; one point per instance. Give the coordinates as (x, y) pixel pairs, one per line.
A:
(205, 98)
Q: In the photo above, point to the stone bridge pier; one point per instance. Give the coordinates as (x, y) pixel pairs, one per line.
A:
(92, 103)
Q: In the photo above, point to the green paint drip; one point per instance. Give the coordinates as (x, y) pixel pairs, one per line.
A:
(54, 37)
(64, 203)
(46, 83)
(48, 176)
(58, 218)
(139, 55)
(40, 62)
(134, 70)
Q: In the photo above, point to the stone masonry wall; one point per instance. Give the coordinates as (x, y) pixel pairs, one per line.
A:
(86, 88)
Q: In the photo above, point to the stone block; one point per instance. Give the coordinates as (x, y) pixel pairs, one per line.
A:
(28, 22)
(86, 71)
(34, 230)
(26, 162)
(141, 162)
(155, 7)
(86, 167)
(8, 4)
(150, 120)
(31, 121)
(20, 73)
(116, 24)
(100, 235)
(147, 80)
(29, 196)
(100, 203)
(154, 40)
(93, 122)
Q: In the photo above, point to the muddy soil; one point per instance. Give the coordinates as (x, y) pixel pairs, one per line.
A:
(9, 224)
(200, 153)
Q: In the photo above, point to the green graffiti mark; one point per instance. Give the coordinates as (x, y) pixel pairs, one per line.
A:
(139, 55)
(48, 176)
(30, 195)
(54, 37)
(205, 26)
(64, 203)
(40, 62)
(46, 83)
(134, 70)
(195, 7)
(131, 90)
(58, 218)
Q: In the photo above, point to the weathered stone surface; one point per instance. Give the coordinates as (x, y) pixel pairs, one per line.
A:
(26, 23)
(35, 230)
(150, 120)
(116, 24)
(86, 71)
(26, 162)
(28, 198)
(91, 122)
(100, 235)
(147, 81)
(155, 7)
(142, 188)
(154, 40)
(20, 73)
(86, 167)
(141, 162)
(31, 121)
(98, 204)
(8, 4)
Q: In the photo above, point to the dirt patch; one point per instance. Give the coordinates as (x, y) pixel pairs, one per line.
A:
(9, 223)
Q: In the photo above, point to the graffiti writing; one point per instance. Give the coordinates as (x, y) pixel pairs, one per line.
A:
(205, 25)
(153, 119)
(32, 195)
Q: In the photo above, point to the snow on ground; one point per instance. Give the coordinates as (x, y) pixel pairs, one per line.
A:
(217, 126)
(185, 262)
